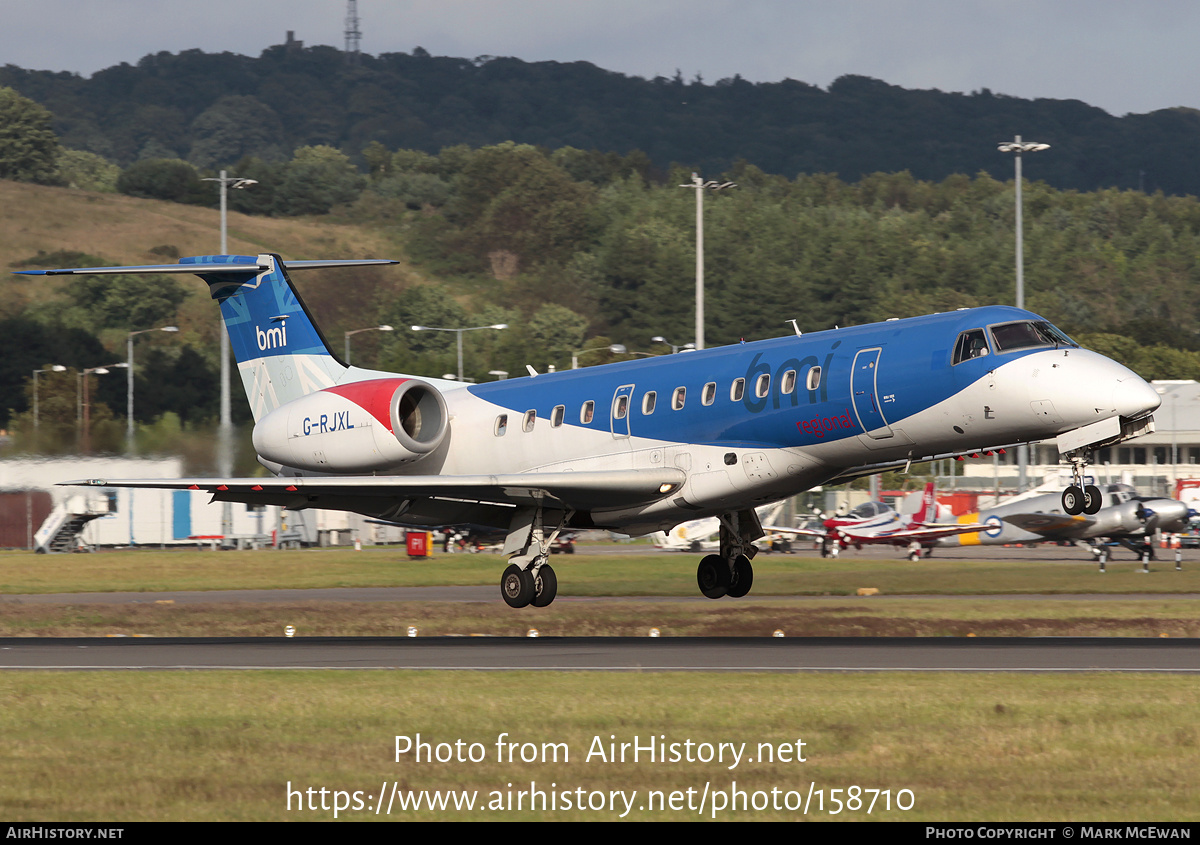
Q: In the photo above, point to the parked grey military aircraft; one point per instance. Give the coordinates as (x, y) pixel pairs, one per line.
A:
(1124, 517)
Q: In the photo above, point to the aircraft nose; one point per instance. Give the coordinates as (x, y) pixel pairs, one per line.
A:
(1134, 398)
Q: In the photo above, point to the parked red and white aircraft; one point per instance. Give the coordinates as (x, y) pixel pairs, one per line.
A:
(641, 446)
(873, 523)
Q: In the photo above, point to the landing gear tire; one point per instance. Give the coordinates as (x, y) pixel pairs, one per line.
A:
(1073, 500)
(545, 586)
(713, 577)
(1092, 499)
(743, 578)
(517, 586)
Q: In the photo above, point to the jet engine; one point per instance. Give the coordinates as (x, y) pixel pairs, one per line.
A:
(361, 427)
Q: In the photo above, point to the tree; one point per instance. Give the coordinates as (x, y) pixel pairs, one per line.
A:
(235, 127)
(165, 179)
(87, 171)
(555, 332)
(28, 146)
(316, 179)
(127, 302)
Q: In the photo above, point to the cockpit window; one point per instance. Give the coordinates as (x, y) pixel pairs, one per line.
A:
(867, 510)
(971, 344)
(1027, 334)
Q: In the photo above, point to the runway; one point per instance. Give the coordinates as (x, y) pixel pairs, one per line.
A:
(826, 654)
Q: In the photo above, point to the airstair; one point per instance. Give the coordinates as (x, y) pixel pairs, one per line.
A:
(62, 531)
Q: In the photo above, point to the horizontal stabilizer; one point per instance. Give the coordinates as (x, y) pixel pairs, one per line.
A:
(242, 265)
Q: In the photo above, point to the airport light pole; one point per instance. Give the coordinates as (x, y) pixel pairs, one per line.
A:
(459, 332)
(674, 348)
(1019, 148)
(83, 417)
(53, 368)
(368, 329)
(129, 381)
(614, 348)
(700, 186)
(225, 429)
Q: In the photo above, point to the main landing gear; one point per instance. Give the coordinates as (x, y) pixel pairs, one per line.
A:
(730, 573)
(535, 586)
(529, 580)
(1079, 498)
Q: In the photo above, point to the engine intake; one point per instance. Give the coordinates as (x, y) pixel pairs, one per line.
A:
(418, 415)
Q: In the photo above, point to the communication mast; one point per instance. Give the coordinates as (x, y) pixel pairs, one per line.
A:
(353, 34)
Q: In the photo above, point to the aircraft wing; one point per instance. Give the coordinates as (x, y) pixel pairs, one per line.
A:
(1052, 526)
(392, 495)
(921, 533)
(800, 532)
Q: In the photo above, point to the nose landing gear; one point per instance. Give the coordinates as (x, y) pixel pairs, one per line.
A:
(1080, 498)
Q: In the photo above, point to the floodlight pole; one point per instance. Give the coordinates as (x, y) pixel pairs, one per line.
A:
(53, 368)
(459, 332)
(699, 185)
(356, 331)
(1019, 148)
(129, 382)
(225, 429)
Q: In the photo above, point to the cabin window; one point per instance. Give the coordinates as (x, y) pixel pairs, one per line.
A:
(737, 390)
(789, 382)
(621, 406)
(530, 419)
(648, 402)
(677, 398)
(762, 387)
(501, 425)
(587, 411)
(710, 393)
(814, 378)
(972, 344)
(557, 415)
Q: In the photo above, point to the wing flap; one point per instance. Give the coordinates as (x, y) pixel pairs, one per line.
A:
(575, 490)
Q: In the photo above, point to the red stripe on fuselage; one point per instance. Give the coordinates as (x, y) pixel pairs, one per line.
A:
(374, 396)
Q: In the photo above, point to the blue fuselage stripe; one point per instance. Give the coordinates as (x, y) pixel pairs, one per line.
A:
(914, 373)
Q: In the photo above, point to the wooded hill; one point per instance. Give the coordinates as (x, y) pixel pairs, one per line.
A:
(573, 246)
(215, 109)
(571, 264)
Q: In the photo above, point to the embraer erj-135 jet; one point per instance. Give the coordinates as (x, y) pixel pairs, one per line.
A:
(641, 446)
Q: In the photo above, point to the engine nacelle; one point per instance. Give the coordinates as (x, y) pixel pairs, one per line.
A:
(361, 427)
(1124, 518)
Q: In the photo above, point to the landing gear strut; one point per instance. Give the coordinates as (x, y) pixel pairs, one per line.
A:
(1078, 498)
(529, 579)
(730, 573)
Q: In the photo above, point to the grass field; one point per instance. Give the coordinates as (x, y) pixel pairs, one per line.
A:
(217, 745)
(165, 745)
(586, 607)
(628, 574)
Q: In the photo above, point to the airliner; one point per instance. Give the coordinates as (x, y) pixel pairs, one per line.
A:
(641, 446)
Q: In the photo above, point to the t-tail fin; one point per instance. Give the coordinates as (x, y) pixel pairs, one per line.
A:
(281, 354)
(929, 507)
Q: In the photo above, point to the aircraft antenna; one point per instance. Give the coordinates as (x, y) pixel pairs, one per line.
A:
(796, 328)
(353, 33)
